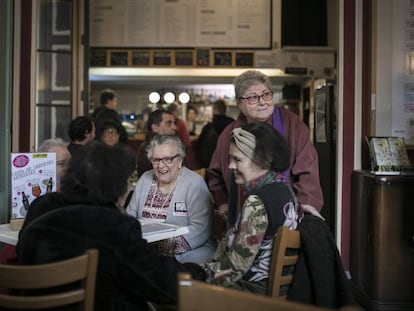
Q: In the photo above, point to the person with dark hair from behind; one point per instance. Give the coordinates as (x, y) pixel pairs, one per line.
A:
(207, 141)
(81, 132)
(161, 122)
(107, 110)
(86, 214)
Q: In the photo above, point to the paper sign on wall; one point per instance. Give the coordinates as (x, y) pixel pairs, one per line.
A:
(32, 175)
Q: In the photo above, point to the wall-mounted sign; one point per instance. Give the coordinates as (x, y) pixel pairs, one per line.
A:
(184, 23)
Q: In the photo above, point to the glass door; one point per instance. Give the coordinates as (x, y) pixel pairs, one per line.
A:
(56, 83)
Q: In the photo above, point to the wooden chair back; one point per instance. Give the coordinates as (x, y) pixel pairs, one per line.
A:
(285, 255)
(17, 278)
(198, 296)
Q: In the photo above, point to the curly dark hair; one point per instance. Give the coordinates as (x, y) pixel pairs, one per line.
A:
(270, 146)
(79, 127)
(101, 173)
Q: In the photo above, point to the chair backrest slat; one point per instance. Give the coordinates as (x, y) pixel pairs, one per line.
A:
(81, 269)
(285, 255)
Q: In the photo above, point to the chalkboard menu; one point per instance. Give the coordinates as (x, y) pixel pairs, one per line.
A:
(223, 58)
(98, 58)
(162, 58)
(140, 58)
(244, 59)
(118, 58)
(181, 24)
(184, 58)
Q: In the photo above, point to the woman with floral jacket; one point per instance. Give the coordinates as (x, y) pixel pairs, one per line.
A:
(258, 156)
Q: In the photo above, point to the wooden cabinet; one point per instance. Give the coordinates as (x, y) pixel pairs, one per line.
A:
(382, 243)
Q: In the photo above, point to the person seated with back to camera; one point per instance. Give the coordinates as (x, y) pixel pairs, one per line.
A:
(176, 195)
(86, 214)
(258, 157)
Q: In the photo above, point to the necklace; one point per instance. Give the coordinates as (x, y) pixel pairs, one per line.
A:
(157, 212)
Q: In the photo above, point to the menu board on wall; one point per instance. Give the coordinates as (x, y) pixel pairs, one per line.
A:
(181, 23)
(403, 70)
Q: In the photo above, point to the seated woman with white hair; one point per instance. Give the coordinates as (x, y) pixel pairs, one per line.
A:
(176, 195)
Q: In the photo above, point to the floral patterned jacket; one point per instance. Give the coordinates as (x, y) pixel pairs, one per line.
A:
(245, 251)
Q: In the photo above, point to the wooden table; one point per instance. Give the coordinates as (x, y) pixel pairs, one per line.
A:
(11, 237)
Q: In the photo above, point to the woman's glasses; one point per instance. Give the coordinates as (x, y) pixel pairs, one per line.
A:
(165, 160)
(254, 99)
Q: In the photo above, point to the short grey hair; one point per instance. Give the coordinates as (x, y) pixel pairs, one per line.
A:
(158, 140)
(249, 78)
(47, 144)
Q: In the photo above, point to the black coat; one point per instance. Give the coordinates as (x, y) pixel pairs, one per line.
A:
(130, 271)
(319, 277)
(207, 141)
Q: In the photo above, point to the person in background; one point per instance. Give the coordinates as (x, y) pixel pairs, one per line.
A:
(160, 121)
(63, 156)
(254, 97)
(258, 157)
(207, 141)
(86, 215)
(191, 117)
(81, 132)
(181, 130)
(107, 110)
(110, 132)
(176, 195)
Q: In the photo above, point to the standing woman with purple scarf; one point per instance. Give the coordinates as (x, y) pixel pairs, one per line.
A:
(254, 97)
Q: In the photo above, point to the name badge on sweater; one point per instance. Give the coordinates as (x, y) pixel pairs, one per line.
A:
(180, 209)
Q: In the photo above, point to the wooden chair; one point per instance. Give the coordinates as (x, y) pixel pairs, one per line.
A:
(285, 255)
(198, 296)
(80, 269)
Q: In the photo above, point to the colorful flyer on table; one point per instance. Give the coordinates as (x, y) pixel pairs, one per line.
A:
(32, 175)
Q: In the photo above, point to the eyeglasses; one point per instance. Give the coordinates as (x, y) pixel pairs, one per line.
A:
(110, 132)
(254, 99)
(165, 160)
